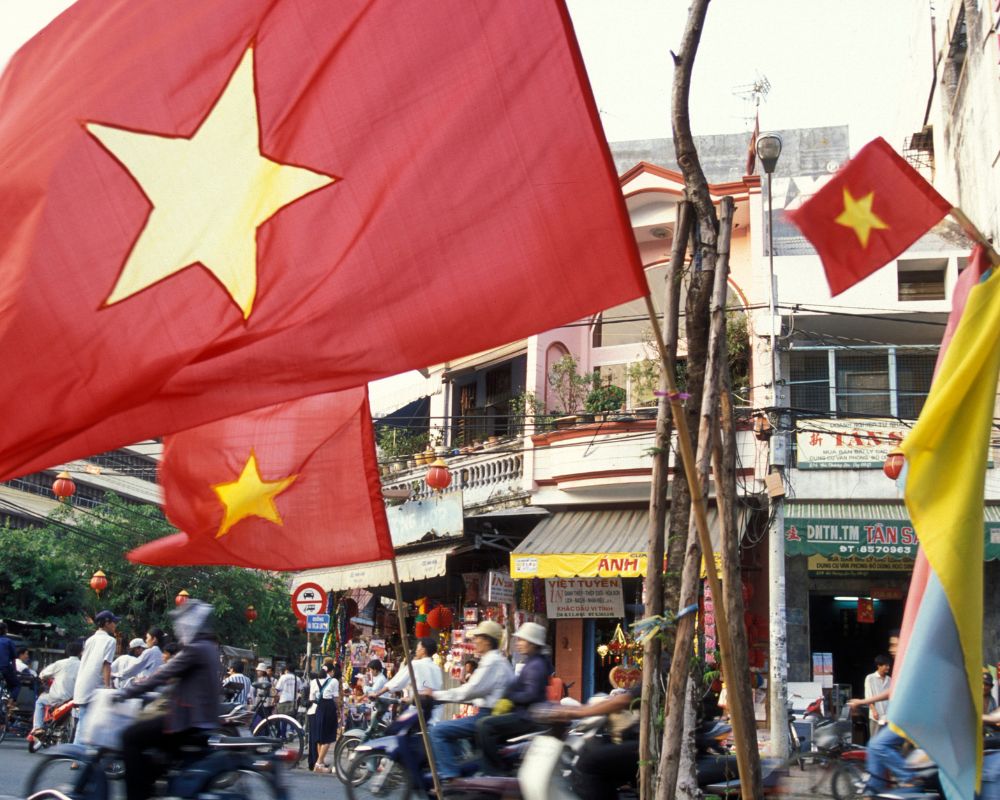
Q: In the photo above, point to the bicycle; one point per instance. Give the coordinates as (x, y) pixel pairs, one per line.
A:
(343, 751)
(282, 727)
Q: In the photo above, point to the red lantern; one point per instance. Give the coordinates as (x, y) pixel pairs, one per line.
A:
(99, 582)
(422, 630)
(438, 476)
(300, 623)
(63, 487)
(182, 597)
(250, 614)
(893, 465)
(440, 618)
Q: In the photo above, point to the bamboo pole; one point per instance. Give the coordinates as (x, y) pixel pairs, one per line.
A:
(698, 507)
(653, 588)
(414, 689)
(975, 234)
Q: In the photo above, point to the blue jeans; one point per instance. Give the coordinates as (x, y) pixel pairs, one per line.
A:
(80, 711)
(42, 701)
(884, 753)
(445, 737)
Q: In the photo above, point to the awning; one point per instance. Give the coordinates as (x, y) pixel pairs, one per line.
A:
(865, 530)
(486, 358)
(589, 544)
(237, 652)
(411, 567)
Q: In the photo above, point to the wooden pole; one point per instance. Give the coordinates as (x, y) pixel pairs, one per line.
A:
(415, 690)
(698, 508)
(653, 589)
(975, 234)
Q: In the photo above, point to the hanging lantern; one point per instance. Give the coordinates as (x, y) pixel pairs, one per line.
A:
(182, 597)
(99, 582)
(63, 487)
(422, 630)
(250, 614)
(440, 618)
(893, 465)
(438, 476)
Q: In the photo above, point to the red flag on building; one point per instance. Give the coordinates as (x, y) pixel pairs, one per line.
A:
(288, 487)
(207, 208)
(867, 214)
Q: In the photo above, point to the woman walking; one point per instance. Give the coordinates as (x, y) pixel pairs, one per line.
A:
(324, 692)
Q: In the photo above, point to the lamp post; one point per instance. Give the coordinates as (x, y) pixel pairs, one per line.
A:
(768, 148)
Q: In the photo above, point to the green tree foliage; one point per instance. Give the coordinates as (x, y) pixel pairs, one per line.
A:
(45, 574)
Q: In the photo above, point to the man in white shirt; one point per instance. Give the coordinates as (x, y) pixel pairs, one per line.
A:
(287, 686)
(121, 665)
(878, 683)
(485, 688)
(63, 673)
(427, 673)
(95, 666)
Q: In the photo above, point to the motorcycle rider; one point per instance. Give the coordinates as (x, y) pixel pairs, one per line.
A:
(63, 673)
(193, 701)
(8, 654)
(529, 688)
(486, 686)
(427, 673)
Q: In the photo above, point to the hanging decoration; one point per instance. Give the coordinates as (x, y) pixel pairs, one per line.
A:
(99, 582)
(440, 618)
(438, 477)
(181, 598)
(63, 487)
(421, 628)
(250, 614)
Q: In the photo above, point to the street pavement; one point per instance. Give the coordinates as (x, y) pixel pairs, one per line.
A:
(16, 763)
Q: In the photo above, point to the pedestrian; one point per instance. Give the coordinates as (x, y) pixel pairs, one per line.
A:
(287, 687)
(149, 659)
(327, 715)
(237, 685)
(263, 694)
(63, 674)
(877, 683)
(95, 665)
(121, 664)
(8, 655)
(23, 663)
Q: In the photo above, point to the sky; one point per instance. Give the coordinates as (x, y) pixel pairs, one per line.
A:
(829, 62)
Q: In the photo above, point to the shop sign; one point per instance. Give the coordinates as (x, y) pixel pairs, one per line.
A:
(439, 516)
(880, 537)
(840, 565)
(846, 443)
(575, 598)
(317, 623)
(499, 587)
(584, 565)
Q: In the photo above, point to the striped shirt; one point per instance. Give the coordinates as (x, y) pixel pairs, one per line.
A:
(240, 685)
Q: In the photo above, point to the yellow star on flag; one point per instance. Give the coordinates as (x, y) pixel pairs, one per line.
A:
(250, 496)
(209, 193)
(858, 216)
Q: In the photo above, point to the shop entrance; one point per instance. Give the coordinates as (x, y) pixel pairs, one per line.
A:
(834, 628)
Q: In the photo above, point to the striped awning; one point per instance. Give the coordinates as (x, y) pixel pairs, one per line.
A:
(588, 544)
(411, 567)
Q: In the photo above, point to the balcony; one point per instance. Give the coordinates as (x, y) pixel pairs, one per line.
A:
(488, 480)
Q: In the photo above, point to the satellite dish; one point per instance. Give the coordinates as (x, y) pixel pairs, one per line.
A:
(832, 166)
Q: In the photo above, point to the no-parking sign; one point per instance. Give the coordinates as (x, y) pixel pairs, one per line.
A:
(308, 599)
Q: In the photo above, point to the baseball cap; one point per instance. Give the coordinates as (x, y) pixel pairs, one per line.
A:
(488, 628)
(136, 643)
(105, 616)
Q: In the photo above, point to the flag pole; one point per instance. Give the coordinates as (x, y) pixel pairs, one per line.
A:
(413, 679)
(698, 506)
(969, 227)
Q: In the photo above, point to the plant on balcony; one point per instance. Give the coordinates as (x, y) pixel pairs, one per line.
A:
(644, 376)
(397, 444)
(568, 385)
(526, 409)
(604, 398)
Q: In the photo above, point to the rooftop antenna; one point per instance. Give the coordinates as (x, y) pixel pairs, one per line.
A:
(752, 95)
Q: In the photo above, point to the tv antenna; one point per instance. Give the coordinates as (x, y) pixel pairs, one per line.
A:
(752, 95)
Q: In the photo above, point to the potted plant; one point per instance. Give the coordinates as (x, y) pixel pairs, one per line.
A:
(605, 398)
(569, 386)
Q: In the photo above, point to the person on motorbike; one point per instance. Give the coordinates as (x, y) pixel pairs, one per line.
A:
(63, 674)
(193, 700)
(529, 688)
(602, 766)
(8, 654)
(149, 659)
(427, 673)
(486, 686)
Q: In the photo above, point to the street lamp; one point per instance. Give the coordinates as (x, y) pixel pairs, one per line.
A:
(768, 148)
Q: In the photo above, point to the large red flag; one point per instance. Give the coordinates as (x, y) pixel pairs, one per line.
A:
(288, 487)
(867, 214)
(210, 207)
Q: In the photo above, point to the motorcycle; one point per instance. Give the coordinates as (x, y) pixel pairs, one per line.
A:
(382, 717)
(17, 714)
(234, 766)
(57, 727)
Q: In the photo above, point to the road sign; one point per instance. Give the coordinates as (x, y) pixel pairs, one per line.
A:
(308, 599)
(317, 623)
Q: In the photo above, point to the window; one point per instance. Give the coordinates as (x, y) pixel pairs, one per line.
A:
(867, 381)
(921, 278)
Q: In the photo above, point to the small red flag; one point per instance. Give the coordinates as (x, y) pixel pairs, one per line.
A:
(288, 487)
(867, 214)
(211, 207)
